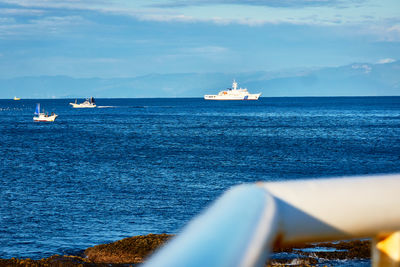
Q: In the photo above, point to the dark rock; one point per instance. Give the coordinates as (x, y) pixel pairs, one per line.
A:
(128, 250)
(136, 249)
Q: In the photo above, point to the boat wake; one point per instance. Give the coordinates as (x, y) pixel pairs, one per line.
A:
(107, 106)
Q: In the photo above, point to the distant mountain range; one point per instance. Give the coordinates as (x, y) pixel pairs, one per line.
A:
(359, 79)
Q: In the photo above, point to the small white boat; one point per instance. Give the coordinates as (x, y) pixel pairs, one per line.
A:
(233, 94)
(42, 116)
(17, 98)
(89, 103)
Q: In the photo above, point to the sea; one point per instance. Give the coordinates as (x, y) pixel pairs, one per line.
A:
(138, 166)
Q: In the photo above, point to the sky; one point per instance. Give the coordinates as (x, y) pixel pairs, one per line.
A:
(128, 38)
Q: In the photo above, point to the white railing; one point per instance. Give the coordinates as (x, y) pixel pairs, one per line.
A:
(243, 225)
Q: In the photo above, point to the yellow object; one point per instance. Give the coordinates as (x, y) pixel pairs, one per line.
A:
(387, 250)
(17, 98)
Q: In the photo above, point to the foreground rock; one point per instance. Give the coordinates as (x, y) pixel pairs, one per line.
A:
(55, 260)
(134, 250)
(128, 250)
(325, 253)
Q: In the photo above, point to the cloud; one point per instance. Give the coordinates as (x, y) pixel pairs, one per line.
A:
(394, 32)
(387, 32)
(19, 11)
(367, 69)
(39, 26)
(55, 21)
(106, 60)
(22, 19)
(240, 12)
(267, 3)
(4, 21)
(87, 4)
(207, 50)
(386, 60)
(92, 4)
(159, 17)
(245, 20)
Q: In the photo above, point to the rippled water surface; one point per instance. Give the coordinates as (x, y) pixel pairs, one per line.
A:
(138, 166)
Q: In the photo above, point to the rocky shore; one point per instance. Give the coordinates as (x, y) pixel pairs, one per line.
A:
(133, 250)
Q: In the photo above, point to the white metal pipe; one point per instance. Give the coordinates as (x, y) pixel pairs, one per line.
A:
(338, 208)
(232, 232)
(241, 226)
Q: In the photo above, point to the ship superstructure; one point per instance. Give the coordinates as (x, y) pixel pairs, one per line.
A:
(233, 94)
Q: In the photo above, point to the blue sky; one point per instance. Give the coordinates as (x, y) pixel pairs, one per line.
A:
(122, 38)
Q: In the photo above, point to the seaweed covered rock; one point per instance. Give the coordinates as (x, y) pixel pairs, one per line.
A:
(55, 260)
(128, 250)
(136, 249)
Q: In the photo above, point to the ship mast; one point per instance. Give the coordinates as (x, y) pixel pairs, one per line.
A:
(234, 85)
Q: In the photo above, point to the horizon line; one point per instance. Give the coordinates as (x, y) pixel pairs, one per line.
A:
(199, 97)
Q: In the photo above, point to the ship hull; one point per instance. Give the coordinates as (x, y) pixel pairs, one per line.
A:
(43, 118)
(223, 97)
(82, 106)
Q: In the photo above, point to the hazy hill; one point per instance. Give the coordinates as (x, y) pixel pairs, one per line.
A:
(355, 79)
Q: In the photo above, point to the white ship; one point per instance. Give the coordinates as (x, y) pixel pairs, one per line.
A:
(41, 116)
(89, 103)
(233, 94)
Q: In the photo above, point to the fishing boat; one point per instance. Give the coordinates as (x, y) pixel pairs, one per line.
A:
(89, 103)
(42, 116)
(233, 94)
(17, 98)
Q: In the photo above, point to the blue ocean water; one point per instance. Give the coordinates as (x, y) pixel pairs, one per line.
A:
(139, 166)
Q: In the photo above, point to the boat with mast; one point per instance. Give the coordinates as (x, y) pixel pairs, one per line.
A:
(42, 116)
(89, 103)
(233, 94)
